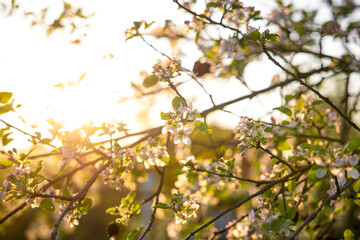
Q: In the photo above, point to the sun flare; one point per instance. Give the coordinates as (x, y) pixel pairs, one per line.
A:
(77, 105)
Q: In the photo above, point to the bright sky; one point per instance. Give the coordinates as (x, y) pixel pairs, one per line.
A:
(32, 64)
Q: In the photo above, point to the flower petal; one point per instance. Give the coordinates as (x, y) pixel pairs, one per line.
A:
(354, 160)
(186, 140)
(164, 130)
(177, 139)
(321, 172)
(353, 173)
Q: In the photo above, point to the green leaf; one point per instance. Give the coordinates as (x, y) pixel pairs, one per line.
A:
(6, 108)
(213, 5)
(291, 213)
(150, 81)
(300, 105)
(316, 102)
(5, 164)
(285, 110)
(5, 97)
(112, 211)
(272, 37)
(279, 224)
(162, 206)
(60, 85)
(177, 101)
(137, 24)
(37, 169)
(352, 145)
(291, 185)
(312, 178)
(134, 234)
(356, 186)
(203, 127)
(84, 206)
(349, 235)
(230, 164)
(47, 204)
(253, 36)
(290, 97)
(221, 169)
(128, 199)
(81, 78)
(177, 172)
(136, 208)
(165, 116)
(147, 25)
(46, 140)
(166, 160)
(283, 145)
(6, 139)
(196, 39)
(36, 180)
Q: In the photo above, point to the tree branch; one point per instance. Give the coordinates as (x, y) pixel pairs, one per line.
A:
(261, 191)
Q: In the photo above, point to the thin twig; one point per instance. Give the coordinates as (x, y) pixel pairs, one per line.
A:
(78, 197)
(13, 212)
(26, 133)
(207, 18)
(276, 157)
(326, 99)
(257, 182)
(261, 191)
(57, 224)
(314, 214)
(152, 218)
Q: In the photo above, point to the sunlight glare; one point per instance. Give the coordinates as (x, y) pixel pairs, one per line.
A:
(78, 105)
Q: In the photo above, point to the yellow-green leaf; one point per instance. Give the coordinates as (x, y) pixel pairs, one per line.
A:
(5, 97)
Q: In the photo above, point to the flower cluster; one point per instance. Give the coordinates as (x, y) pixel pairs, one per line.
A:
(242, 229)
(73, 142)
(334, 159)
(72, 217)
(273, 173)
(184, 207)
(232, 48)
(204, 184)
(21, 181)
(122, 162)
(251, 133)
(153, 154)
(238, 14)
(179, 122)
(130, 32)
(300, 110)
(333, 119)
(196, 23)
(169, 70)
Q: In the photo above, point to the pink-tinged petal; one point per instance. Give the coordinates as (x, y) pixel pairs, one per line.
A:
(338, 172)
(354, 160)
(177, 139)
(160, 163)
(173, 130)
(321, 172)
(319, 161)
(164, 130)
(188, 131)
(353, 173)
(139, 159)
(186, 140)
(151, 161)
(146, 164)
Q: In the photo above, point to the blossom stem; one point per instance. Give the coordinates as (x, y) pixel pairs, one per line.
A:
(314, 214)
